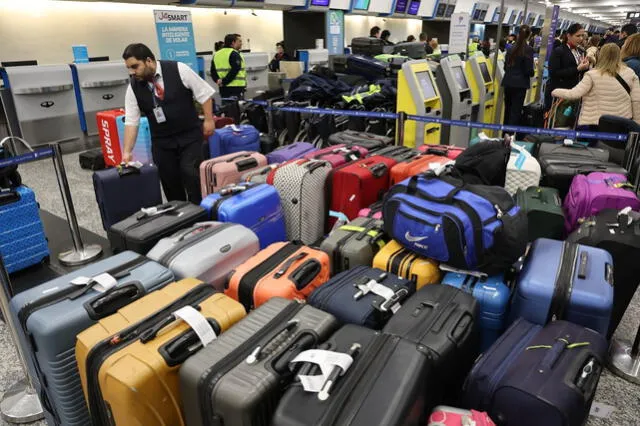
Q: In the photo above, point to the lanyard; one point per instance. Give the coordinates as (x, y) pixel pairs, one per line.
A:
(151, 87)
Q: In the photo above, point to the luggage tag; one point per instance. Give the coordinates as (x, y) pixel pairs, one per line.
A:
(154, 211)
(101, 283)
(391, 298)
(159, 114)
(342, 219)
(198, 324)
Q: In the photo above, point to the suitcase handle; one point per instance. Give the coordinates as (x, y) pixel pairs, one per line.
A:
(378, 170)
(285, 266)
(582, 266)
(176, 351)
(199, 227)
(9, 197)
(247, 164)
(110, 302)
(303, 275)
(151, 333)
(232, 159)
(302, 343)
(125, 170)
(254, 356)
(315, 165)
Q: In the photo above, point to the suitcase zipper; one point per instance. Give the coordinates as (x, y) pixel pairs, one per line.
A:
(208, 381)
(248, 282)
(107, 347)
(563, 283)
(327, 291)
(148, 219)
(172, 253)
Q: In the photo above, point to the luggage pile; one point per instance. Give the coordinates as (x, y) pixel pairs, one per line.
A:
(359, 284)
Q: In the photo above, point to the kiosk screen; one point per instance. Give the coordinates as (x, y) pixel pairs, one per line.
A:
(426, 84)
(458, 73)
(485, 72)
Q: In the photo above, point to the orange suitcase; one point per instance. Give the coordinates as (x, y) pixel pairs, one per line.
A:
(417, 165)
(286, 270)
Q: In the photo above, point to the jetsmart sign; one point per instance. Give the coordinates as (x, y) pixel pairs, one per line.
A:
(172, 16)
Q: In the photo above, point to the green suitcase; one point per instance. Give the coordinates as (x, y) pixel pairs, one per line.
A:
(544, 211)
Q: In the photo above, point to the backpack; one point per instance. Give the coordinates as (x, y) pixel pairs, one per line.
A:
(9, 176)
(484, 163)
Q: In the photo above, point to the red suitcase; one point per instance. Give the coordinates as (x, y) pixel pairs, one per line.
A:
(109, 138)
(357, 185)
(449, 151)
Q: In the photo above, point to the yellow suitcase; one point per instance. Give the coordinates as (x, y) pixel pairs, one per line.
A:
(127, 382)
(398, 260)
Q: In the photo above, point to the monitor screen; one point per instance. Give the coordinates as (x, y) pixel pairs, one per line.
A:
(485, 72)
(413, 7)
(319, 2)
(426, 84)
(450, 9)
(401, 6)
(483, 14)
(512, 18)
(461, 80)
(496, 15)
(361, 5)
(441, 9)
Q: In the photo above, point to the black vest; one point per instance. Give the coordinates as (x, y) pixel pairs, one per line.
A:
(177, 105)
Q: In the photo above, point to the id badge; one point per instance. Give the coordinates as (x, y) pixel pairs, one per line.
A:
(159, 113)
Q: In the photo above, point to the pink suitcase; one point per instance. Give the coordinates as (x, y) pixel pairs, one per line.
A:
(449, 416)
(449, 151)
(374, 211)
(338, 155)
(222, 171)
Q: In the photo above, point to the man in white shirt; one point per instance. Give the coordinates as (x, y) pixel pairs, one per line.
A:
(164, 92)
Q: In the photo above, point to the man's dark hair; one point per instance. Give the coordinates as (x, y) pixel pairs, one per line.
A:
(281, 44)
(229, 39)
(139, 51)
(574, 28)
(218, 45)
(423, 37)
(630, 29)
(385, 34)
(616, 32)
(373, 31)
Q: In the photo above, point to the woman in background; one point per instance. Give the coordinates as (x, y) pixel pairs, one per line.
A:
(631, 53)
(385, 37)
(518, 70)
(281, 55)
(592, 50)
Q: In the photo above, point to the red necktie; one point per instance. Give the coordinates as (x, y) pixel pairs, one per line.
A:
(159, 90)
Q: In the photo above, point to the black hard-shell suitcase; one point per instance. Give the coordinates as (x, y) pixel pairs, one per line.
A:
(368, 46)
(92, 159)
(414, 50)
(399, 153)
(122, 191)
(385, 385)
(443, 319)
(141, 231)
(533, 115)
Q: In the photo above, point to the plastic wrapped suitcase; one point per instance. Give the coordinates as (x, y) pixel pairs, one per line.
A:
(234, 138)
(594, 192)
(129, 361)
(141, 231)
(492, 294)
(52, 314)
(416, 165)
(370, 141)
(122, 191)
(523, 170)
(449, 151)
(444, 320)
(256, 206)
(219, 383)
(399, 261)
(357, 185)
(537, 376)
(373, 211)
(288, 270)
(91, 159)
(368, 67)
(208, 251)
(290, 152)
(450, 416)
(565, 281)
(353, 244)
(576, 149)
(338, 155)
(368, 46)
(617, 232)
(363, 296)
(384, 385)
(398, 153)
(222, 171)
(543, 207)
(22, 239)
(302, 188)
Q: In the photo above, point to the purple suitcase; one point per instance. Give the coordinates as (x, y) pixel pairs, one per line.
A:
(290, 152)
(537, 375)
(590, 194)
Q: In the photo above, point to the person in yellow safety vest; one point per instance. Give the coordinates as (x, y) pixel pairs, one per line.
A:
(473, 45)
(228, 68)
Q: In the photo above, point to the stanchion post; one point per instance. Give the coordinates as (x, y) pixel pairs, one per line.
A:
(402, 118)
(270, 124)
(20, 404)
(80, 254)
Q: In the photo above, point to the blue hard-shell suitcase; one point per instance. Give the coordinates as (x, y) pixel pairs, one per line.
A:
(492, 295)
(355, 296)
(122, 191)
(22, 239)
(50, 316)
(256, 206)
(565, 281)
(234, 138)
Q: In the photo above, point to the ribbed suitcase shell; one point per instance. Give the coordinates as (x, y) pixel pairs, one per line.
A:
(222, 171)
(120, 194)
(256, 206)
(22, 239)
(234, 138)
(208, 251)
(576, 150)
(370, 141)
(398, 260)
(136, 381)
(259, 175)
(140, 234)
(302, 185)
(247, 394)
(53, 330)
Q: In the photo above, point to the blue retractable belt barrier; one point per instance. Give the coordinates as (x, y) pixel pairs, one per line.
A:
(26, 158)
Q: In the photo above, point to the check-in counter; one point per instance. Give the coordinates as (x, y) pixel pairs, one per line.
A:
(257, 67)
(44, 102)
(313, 57)
(99, 86)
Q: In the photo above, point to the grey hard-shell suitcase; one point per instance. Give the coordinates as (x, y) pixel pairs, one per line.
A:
(238, 378)
(259, 175)
(208, 251)
(302, 188)
(354, 244)
(52, 314)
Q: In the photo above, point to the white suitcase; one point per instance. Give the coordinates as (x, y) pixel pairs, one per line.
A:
(523, 171)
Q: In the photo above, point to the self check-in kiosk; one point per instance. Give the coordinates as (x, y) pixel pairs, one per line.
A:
(482, 88)
(257, 66)
(531, 93)
(99, 86)
(498, 98)
(44, 102)
(456, 99)
(418, 94)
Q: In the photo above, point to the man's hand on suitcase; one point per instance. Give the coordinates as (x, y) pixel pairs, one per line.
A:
(208, 126)
(127, 157)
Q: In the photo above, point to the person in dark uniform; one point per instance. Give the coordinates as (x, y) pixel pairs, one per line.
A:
(228, 69)
(164, 92)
